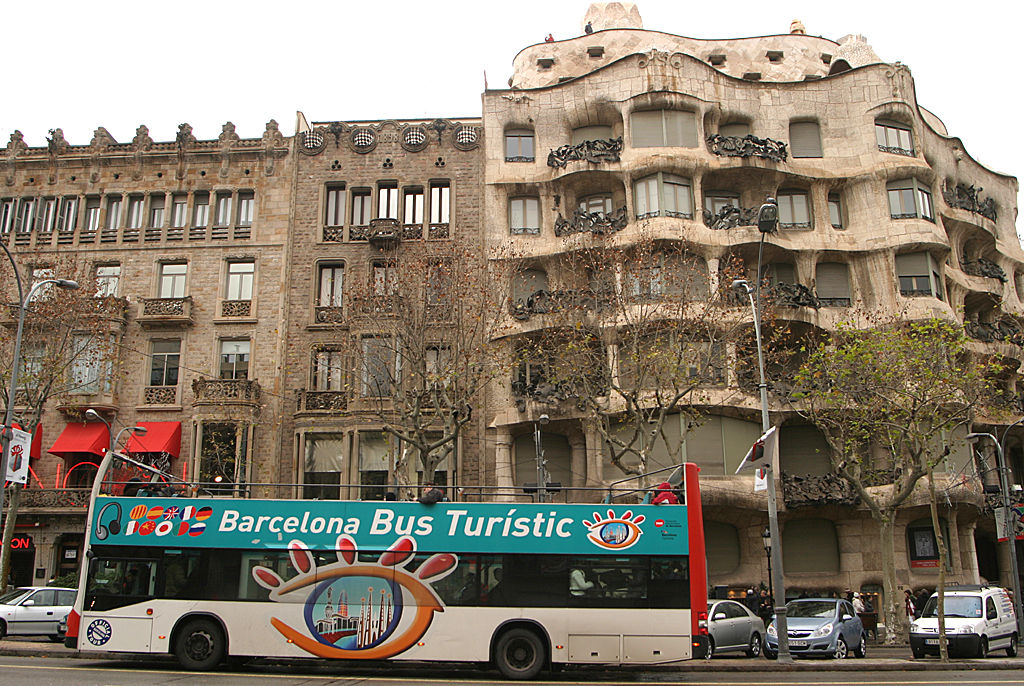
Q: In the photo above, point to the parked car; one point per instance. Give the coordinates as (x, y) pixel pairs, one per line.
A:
(819, 626)
(35, 611)
(732, 627)
(978, 619)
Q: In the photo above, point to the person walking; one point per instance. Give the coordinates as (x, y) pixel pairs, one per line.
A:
(908, 605)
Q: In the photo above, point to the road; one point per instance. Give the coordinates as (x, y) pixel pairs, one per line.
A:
(43, 671)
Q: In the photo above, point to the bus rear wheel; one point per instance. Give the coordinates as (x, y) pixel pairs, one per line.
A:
(200, 645)
(519, 654)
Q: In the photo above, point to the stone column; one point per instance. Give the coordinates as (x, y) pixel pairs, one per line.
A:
(503, 464)
(595, 465)
(578, 446)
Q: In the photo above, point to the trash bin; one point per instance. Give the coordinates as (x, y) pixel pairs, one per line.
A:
(870, 622)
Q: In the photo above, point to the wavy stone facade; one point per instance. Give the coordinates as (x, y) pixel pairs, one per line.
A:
(895, 216)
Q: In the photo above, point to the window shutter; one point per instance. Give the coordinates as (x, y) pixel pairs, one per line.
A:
(704, 447)
(782, 273)
(680, 129)
(805, 139)
(591, 133)
(810, 545)
(803, 450)
(738, 435)
(324, 452)
(833, 280)
(647, 129)
(737, 130)
(912, 264)
(722, 549)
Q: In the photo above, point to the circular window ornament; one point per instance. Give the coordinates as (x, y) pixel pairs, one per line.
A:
(466, 137)
(414, 138)
(312, 142)
(364, 140)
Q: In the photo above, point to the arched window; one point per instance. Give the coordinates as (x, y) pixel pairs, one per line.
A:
(910, 199)
(664, 195)
(557, 456)
(806, 452)
(722, 547)
(894, 137)
(810, 546)
(591, 133)
(833, 284)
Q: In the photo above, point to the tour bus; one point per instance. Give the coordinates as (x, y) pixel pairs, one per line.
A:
(522, 586)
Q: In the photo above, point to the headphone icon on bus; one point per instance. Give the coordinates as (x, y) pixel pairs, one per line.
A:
(112, 527)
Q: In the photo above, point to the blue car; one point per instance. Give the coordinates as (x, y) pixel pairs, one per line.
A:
(819, 626)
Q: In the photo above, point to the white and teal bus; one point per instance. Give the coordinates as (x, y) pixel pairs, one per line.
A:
(518, 585)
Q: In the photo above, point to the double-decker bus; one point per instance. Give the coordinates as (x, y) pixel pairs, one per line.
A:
(518, 585)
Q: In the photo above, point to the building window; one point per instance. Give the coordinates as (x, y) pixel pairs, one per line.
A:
(374, 465)
(524, 216)
(918, 274)
(7, 216)
(335, 213)
(438, 358)
(664, 129)
(92, 218)
(68, 219)
(49, 216)
(413, 206)
(805, 139)
(202, 210)
(327, 370)
(324, 465)
(332, 282)
(246, 206)
(811, 546)
(519, 146)
(378, 366)
(42, 274)
(156, 211)
(665, 195)
(385, 277)
(387, 201)
(107, 278)
(240, 278)
(440, 202)
(593, 204)
(234, 359)
(833, 284)
(136, 205)
(909, 199)
(172, 280)
(222, 457)
(794, 210)
(223, 213)
(835, 211)
(113, 213)
(179, 211)
(166, 358)
(738, 130)
(361, 207)
(894, 137)
(91, 367)
(645, 282)
(26, 215)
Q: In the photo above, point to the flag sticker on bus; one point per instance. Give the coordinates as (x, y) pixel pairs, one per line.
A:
(160, 521)
(614, 533)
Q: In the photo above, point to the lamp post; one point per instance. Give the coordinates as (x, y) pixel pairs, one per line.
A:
(541, 471)
(767, 219)
(1011, 534)
(16, 362)
(137, 430)
(766, 538)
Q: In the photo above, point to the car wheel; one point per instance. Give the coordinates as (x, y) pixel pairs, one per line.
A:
(861, 650)
(842, 650)
(56, 638)
(754, 649)
(200, 646)
(519, 654)
(770, 654)
(3, 630)
(710, 652)
(1011, 650)
(983, 648)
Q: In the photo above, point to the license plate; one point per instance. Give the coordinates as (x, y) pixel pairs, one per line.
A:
(798, 644)
(931, 641)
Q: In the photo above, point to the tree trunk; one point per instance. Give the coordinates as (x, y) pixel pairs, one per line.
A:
(13, 501)
(934, 508)
(886, 525)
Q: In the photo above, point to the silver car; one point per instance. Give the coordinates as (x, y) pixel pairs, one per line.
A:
(819, 626)
(35, 611)
(732, 627)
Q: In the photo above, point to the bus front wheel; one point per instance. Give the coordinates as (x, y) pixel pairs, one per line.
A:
(519, 654)
(200, 645)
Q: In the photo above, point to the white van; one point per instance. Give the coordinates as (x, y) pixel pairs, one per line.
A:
(978, 619)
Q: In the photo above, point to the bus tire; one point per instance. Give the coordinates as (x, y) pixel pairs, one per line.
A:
(519, 654)
(200, 645)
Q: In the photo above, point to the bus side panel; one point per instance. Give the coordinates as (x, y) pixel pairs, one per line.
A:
(698, 560)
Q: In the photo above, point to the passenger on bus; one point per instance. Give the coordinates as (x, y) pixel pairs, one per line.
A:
(578, 582)
(664, 495)
(431, 494)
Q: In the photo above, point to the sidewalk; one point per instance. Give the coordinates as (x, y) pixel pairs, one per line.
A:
(880, 659)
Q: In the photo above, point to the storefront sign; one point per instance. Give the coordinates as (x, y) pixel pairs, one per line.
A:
(21, 543)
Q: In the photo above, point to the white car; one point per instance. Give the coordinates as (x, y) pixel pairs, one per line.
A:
(978, 619)
(35, 611)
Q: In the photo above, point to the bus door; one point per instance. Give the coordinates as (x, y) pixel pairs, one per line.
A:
(119, 588)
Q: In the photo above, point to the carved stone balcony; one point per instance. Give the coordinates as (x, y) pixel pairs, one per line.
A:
(747, 146)
(321, 401)
(160, 395)
(165, 313)
(330, 315)
(236, 308)
(101, 401)
(226, 391)
(55, 498)
(594, 152)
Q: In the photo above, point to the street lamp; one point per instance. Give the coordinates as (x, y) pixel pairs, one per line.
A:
(766, 538)
(541, 471)
(16, 362)
(1011, 534)
(767, 219)
(137, 430)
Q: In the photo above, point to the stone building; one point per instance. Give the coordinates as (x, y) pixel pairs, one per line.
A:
(185, 245)
(625, 133)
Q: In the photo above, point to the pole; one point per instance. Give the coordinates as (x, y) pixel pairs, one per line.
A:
(1011, 534)
(541, 490)
(771, 590)
(9, 416)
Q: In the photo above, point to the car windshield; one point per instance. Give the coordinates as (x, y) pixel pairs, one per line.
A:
(954, 606)
(813, 608)
(12, 597)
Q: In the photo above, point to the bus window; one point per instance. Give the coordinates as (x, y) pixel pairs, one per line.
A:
(670, 582)
(461, 586)
(608, 581)
(117, 583)
(181, 576)
(534, 580)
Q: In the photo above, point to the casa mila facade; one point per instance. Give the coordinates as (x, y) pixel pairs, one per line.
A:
(621, 135)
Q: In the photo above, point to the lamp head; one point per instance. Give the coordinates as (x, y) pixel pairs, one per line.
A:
(766, 539)
(741, 286)
(93, 414)
(139, 430)
(768, 216)
(544, 419)
(67, 283)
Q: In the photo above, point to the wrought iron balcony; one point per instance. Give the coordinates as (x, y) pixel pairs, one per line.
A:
(983, 267)
(594, 152)
(55, 498)
(598, 223)
(165, 313)
(321, 401)
(747, 146)
(230, 391)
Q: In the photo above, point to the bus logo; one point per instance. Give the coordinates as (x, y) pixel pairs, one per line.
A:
(359, 610)
(614, 533)
(99, 632)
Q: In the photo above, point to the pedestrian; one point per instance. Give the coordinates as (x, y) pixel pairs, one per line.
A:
(908, 604)
(858, 603)
(767, 608)
(751, 601)
(665, 496)
(549, 39)
(922, 599)
(588, 29)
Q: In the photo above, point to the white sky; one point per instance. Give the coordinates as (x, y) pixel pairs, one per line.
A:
(120, 64)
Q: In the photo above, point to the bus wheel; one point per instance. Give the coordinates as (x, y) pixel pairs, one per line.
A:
(200, 645)
(519, 654)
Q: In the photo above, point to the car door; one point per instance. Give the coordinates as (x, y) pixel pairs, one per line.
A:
(851, 624)
(36, 613)
(734, 625)
(992, 621)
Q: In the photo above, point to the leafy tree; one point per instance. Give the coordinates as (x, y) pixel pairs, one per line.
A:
(886, 398)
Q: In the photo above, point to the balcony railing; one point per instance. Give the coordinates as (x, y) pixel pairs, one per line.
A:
(212, 391)
(321, 401)
(155, 313)
(235, 308)
(55, 497)
(160, 395)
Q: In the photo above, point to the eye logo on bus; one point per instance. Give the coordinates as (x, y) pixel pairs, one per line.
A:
(614, 533)
(359, 610)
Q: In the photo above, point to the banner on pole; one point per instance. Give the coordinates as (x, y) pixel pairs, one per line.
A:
(1016, 518)
(760, 458)
(17, 461)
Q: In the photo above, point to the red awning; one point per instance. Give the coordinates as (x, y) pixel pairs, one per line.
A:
(88, 437)
(161, 437)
